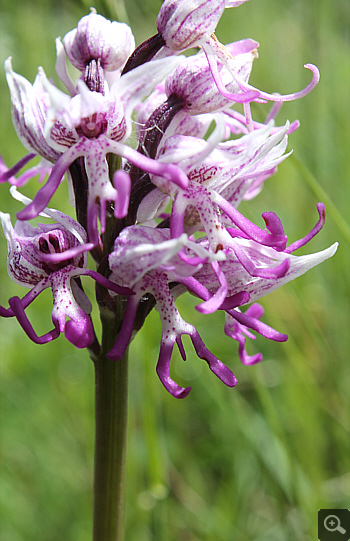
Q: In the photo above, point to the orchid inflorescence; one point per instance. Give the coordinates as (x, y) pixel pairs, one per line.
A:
(160, 217)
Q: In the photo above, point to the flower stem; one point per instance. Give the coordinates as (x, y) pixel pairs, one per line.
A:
(110, 448)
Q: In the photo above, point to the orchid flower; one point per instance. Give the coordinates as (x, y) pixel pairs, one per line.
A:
(149, 261)
(51, 256)
(219, 176)
(91, 124)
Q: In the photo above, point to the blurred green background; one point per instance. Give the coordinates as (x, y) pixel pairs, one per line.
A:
(254, 463)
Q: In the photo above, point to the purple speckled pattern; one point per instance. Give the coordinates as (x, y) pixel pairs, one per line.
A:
(157, 159)
(32, 263)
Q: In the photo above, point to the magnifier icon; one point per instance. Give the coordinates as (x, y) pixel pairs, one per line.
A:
(332, 524)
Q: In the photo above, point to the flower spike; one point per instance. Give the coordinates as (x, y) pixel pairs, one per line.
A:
(157, 162)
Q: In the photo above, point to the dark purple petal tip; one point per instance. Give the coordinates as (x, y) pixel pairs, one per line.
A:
(163, 368)
(80, 335)
(222, 372)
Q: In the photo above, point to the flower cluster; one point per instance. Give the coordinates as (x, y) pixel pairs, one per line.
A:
(160, 217)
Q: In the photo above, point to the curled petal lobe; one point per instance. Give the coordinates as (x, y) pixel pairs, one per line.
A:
(299, 243)
(239, 332)
(296, 95)
(193, 82)
(18, 311)
(281, 97)
(163, 371)
(173, 326)
(252, 322)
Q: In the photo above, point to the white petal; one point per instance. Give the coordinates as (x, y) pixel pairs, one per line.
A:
(138, 83)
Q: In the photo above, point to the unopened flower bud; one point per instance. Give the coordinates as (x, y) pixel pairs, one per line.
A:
(183, 24)
(96, 38)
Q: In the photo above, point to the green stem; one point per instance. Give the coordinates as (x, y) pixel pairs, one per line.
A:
(110, 448)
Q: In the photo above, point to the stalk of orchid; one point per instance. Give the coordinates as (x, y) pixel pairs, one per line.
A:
(159, 220)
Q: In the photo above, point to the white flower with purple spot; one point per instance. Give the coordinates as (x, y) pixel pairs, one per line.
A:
(148, 260)
(52, 256)
(90, 125)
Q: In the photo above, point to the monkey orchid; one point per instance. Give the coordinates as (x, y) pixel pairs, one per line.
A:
(150, 261)
(51, 256)
(158, 159)
(89, 125)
